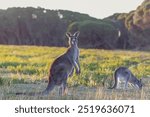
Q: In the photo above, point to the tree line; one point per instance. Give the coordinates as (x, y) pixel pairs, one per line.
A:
(44, 27)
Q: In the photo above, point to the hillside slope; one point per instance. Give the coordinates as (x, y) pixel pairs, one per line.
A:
(38, 26)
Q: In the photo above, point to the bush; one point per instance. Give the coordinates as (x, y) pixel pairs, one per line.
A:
(95, 34)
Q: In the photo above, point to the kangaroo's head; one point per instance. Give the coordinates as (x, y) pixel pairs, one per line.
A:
(139, 84)
(73, 39)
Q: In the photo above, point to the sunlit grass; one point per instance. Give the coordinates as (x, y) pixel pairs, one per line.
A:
(31, 64)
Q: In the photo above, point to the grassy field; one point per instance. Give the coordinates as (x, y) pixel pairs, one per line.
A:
(25, 69)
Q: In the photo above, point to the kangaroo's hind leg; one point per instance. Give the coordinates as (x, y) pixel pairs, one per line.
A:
(63, 87)
(126, 83)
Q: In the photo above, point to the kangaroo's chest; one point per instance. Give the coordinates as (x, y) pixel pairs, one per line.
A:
(75, 53)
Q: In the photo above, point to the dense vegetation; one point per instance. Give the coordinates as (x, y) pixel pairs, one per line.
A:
(137, 25)
(95, 34)
(36, 26)
(39, 26)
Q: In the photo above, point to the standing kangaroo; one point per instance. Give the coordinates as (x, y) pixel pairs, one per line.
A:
(125, 75)
(64, 65)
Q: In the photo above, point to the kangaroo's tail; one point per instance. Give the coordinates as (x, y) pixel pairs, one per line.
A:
(116, 81)
(49, 87)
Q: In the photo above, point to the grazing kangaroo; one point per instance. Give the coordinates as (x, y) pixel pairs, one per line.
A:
(63, 66)
(125, 75)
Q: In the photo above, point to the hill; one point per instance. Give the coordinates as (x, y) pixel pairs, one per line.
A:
(36, 26)
(39, 26)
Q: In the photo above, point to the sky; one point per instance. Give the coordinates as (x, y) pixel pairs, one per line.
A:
(95, 8)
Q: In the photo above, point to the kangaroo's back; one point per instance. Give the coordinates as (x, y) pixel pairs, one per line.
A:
(123, 74)
(118, 72)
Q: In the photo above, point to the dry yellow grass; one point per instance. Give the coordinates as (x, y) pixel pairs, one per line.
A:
(75, 93)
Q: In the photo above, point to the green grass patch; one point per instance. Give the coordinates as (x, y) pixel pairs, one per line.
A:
(31, 63)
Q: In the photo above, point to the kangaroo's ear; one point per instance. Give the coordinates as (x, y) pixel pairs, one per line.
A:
(68, 34)
(76, 34)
